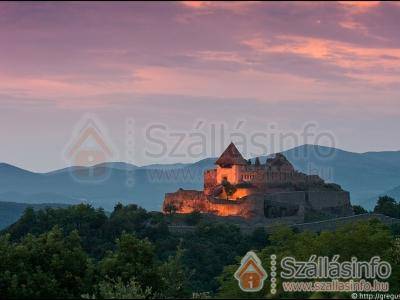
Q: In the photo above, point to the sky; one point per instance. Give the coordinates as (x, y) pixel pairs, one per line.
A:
(182, 66)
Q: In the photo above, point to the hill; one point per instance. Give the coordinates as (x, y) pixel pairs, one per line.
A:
(10, 212)
(365, 175)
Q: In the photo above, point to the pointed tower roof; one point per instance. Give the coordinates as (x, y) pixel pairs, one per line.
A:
(231, 156)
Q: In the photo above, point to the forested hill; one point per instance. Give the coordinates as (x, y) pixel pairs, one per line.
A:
(10, 212)
(132, 254)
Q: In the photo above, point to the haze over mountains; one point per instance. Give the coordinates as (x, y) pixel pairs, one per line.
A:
(365, 175)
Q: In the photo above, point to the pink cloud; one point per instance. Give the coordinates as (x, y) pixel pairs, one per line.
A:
(233, 6)
(360, 6)
(356, 61)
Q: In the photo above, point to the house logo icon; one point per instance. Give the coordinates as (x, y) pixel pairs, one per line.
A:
(88, 149)
(251, 274)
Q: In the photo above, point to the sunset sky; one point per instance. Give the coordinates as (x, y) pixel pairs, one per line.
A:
(336, 64)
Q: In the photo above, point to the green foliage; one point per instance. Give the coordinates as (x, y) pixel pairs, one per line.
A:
(388, 206)
(133, 258)
(49, 265)
(395, 229)
(10, 212)
(97, 231)
(175, 276)
(359, 210)
(213, 246)
(117, 289)
(87, 221)
(132, 243)
(80, 251)
(193, 218)
(363, 240)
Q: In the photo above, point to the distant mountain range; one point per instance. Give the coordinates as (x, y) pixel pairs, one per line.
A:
(10, 212)
(365, 175)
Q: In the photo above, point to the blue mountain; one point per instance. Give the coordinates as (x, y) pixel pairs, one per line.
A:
(365, 175)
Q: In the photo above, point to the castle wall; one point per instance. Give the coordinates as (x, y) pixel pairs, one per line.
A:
(210, 181)
(229, 208)
(334, 224)
(261, 191)
(284, 204)
(326, 225)
(187, 201)
(255, 206)
(242, 192)
(232, 174)
(332, 202)
(295, 198)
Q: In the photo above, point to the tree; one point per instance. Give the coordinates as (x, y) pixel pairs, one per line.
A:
(130, 218)
(90, 224)
(359, 210)
(128, 253)
(45, 266)
(133, 258)
(363, 240)
(388, 206)
(117, 289)
(170, 209)
(208, 249)
(175, 276)
(193, 218)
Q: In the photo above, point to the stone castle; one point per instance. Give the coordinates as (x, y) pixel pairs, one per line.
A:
(260, 192)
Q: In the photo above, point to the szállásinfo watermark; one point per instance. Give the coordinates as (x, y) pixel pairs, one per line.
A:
(91, 148)
(89, 151)
(204, 138)
(317, 274)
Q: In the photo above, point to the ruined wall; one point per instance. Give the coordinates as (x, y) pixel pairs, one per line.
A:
(295, 203)
(210, 181)
(332, 202)
(298, 198)
(187, 201)
(242, 192)
(246, 208)
(335, 203)
(284, 204)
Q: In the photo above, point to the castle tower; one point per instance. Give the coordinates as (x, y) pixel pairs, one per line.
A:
(279, 169)
(230, 165)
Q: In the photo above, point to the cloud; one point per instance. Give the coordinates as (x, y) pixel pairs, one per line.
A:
(360, 6)
(377, 65)
(284, 51)
(232, 6)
